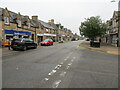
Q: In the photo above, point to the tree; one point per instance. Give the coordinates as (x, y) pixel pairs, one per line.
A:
(92, 27)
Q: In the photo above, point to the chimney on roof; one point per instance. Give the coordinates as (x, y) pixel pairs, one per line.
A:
(51, 21)
(35, 18)
(26, 17)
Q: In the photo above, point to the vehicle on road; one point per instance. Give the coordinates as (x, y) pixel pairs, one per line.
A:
(73, 39)
(47, 42)
(61, 41)
(23, 44)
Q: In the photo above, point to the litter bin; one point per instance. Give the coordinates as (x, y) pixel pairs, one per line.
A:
(96, 44)
(91, 43)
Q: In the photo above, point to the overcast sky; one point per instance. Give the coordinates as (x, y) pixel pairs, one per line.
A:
(69, 13)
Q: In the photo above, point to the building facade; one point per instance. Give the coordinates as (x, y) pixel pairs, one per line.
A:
(112, 33)
(15, 25)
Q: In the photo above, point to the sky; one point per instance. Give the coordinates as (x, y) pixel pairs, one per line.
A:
(70, 13)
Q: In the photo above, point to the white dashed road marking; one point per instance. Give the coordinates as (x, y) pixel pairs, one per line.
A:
(56, 84)
(62, 74)
(52, 72)
(46, 79)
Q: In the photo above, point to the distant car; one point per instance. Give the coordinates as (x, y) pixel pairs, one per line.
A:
(23, 44)
(87, 39)
(47, 42)
(73, 39)
(61, 41)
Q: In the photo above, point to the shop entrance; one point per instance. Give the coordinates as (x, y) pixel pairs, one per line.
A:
(40, 38)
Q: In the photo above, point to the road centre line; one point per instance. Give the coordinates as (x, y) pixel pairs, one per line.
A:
(46, 79)
(56, 84)
(67, 67)
(52, 72)
(62, 74)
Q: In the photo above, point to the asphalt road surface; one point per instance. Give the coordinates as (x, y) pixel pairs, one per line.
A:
(64, 65)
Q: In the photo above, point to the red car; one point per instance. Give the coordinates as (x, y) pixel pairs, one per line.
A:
(47, 42)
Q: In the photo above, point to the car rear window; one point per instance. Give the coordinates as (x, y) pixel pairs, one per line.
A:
(46, 40)
(17, 40)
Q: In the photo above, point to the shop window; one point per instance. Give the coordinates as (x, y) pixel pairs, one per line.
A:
(6, 20)
(19, 23)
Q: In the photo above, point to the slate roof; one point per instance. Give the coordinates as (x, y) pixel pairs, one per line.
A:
(13, 16)
(45, 24)
(54, 26)
(34, 23)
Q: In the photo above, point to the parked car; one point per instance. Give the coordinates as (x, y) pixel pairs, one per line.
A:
(47, 42)
(61, 41)
(23, 44)
(73, 39)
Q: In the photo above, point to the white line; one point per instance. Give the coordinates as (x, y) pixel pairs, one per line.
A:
(62, 74)
(67, 67)
(52, 72)
(69, 64)
(56, 84)
(46, 79)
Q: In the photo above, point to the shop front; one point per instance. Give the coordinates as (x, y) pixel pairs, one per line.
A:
(10, 34)
(41, 37)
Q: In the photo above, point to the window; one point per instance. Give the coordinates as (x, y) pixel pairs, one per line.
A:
(6, 20)
(19, 23)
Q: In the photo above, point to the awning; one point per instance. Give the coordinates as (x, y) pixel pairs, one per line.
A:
(46, 34)
(14, 32)
(40, 34)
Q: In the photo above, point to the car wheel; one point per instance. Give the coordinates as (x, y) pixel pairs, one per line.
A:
(35, 46)
(14, 49)
(24, 48)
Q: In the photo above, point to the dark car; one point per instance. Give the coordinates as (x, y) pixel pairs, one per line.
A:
(73, 39)
(23, 44)
(47, 42)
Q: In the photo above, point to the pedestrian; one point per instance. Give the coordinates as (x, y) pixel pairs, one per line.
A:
(9, 44)
(100, 40)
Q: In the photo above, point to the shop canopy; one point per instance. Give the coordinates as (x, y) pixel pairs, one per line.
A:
(14, 32)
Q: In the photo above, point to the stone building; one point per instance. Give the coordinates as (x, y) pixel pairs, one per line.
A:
(16, 25)
(112, 29)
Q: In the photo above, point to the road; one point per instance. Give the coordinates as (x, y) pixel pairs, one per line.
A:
(64, 65)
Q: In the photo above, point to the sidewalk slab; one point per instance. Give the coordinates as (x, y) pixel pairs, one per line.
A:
(103, 48)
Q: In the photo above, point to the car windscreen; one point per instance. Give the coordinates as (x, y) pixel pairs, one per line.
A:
(46, 40)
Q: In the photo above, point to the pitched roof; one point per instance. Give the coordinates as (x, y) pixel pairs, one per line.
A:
(45, 24)
(33, 23)
(54, 26)
(13, 16)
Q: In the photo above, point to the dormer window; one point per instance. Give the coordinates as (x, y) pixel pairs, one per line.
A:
(19, 23)
(6, 20)
(28, 25)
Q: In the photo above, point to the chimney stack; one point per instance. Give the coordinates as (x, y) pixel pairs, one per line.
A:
(51, 21)
(35, 18)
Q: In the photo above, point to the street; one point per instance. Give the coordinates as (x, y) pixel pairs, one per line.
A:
(63, 65)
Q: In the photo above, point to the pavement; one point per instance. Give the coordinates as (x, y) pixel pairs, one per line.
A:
(63, 65)
(104, 48)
